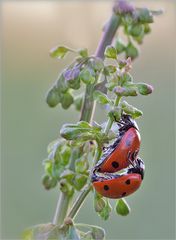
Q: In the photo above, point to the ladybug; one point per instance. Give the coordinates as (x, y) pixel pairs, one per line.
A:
(119, 185)
(126, 146)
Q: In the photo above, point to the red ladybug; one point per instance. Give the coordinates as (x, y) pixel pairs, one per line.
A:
(126, 146)
(119, 185)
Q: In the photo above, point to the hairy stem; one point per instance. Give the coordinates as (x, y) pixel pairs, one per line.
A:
(107, 37)
(86, 115)
(110, 121)
(79, 201)
(61, 209)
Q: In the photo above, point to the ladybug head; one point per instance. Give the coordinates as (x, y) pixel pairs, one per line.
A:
(127, 122)
(138, 167)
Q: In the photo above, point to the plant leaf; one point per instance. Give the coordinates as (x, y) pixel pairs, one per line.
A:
(67, 100)
(59, 52)
(131, 51)
(81, 131)
(144, 89)
(87, 76)
(122, 207)
(132, 111)
(83, 52)
(110, 52)
(94, 233)
(119, 45)
(53, 97)
(42, 232)
(101, 97)
(104, 214)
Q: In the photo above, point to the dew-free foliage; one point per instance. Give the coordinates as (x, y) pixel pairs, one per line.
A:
(103, 78)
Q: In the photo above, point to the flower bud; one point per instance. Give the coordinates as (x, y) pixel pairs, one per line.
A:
(144, 89)
(53, 97)
(66, 100)
(119, 45)
(62, 84)
(131, 51)
(49, 182)
(110, 52)
(125, 91)
(137, 30)
(145, 16)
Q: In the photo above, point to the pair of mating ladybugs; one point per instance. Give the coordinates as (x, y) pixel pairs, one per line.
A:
(121, 155)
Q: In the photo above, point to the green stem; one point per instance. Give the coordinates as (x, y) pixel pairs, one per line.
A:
(79, 201)
(61, 209)
(110, 121)
(64, 199)
(86, 115)
(107, 37)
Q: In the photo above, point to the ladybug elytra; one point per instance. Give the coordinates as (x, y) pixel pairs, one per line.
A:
(121, 155)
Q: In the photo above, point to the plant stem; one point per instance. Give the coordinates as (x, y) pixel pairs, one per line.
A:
(61, 209)
(64, 199)
(110, 121)
(107, 37)
(86, 115)
(79, 201)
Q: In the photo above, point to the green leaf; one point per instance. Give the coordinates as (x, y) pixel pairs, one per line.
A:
(81, 165)
(80, 130)
(110, 52)
(145, 15)
(110, 69)
(119, 45)
(96, 64)
(72, 234)
(125, 91)
(62, 84)
(80, 181)
(115, 114)
(67, 100)
(49, 167)
(27, 234)
(68, 175)
(49, 182)
(66, 187)
(129, 109)
(99, 204)
(83, 52)
(122, 207)
(71, 76)
(78, 101)
(126, 78)
(87, 76)
(101, 97)
(131, 51)
(42, 232)
(65, 155)
(144, 89)
(105, 213)
(59, 52)
(53, 97)
(147, 28)
(137, 30)
(94, 233)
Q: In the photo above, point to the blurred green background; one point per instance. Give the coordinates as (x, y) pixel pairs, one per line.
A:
(29, 30)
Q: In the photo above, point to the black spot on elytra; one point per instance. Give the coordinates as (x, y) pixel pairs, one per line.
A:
(115, 164)
(127, 182)
(106, 188)
(123, 194)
